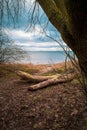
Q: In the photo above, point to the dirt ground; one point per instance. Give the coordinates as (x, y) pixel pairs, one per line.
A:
(58, 107)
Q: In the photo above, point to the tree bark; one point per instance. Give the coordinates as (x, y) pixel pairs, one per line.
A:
(70, 18)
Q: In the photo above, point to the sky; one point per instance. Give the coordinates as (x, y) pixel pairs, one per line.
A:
(32, 38)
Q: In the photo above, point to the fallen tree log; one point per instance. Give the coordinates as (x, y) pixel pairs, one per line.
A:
(51, 81)
(32, 78)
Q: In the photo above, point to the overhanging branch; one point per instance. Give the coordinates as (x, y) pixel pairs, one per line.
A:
(53, 13)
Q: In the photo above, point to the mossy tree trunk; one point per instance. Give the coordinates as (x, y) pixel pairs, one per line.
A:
(70, 18)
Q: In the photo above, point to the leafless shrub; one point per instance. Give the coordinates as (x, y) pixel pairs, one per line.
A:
(8, 50)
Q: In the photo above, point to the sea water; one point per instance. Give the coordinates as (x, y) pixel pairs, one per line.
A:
(43, 57)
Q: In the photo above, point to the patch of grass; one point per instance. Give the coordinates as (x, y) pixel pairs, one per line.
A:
(47, 74)
(85, 119)
(75, 81)
(8, 70)
(29, 68)
(60, 70)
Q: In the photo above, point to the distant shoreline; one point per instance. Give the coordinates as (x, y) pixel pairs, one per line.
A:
(40, 65)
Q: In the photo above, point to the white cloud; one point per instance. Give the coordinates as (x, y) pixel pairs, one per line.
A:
(39, 44)
(42, 49)
(21, 34)
(29, 3)
(28, 42)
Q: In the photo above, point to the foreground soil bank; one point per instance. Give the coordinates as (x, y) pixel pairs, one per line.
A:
(58, 107)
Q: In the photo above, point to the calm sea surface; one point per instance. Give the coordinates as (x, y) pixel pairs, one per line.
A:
(43, 57)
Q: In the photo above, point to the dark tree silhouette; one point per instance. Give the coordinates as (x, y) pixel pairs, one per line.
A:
(70, 18)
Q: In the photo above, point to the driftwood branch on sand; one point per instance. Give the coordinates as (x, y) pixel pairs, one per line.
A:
(44, 81)
(34, 78)
(51, 81)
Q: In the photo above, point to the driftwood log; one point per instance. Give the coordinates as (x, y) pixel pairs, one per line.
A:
(44, 81)
(34, 78)
(51, 81)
